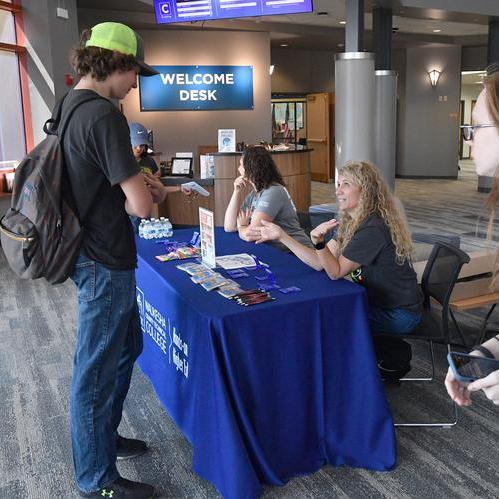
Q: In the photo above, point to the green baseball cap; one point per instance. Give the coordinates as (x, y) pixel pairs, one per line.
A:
(121, 38)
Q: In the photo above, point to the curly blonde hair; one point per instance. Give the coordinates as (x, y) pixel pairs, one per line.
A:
(375, 198)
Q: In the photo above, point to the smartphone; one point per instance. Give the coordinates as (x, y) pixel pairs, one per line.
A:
(467, 368)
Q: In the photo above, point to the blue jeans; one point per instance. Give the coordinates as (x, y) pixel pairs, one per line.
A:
(394, 320)
(109, 340)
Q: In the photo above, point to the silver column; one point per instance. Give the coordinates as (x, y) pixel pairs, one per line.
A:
(385, 124)
(354, 107)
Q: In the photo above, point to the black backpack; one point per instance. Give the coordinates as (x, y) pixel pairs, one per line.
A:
(41, 234)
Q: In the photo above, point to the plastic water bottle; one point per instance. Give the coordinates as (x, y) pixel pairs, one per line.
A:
(167, 227)
(147, 229)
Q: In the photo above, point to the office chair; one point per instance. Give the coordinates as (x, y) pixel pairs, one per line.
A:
(439, 277)
(310, 220)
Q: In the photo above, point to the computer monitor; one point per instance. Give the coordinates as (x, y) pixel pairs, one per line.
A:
(182, 167)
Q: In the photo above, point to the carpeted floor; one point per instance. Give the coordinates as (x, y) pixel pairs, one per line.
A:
(37, 324)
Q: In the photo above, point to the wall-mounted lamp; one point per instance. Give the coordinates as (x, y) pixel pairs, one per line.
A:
(434, 75)
(271, 69)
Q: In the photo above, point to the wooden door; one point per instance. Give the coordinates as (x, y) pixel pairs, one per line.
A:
(319, 135)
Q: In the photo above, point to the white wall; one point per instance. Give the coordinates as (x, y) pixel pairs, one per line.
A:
(185, 130)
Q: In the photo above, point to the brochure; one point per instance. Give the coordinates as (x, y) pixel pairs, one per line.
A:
(241, 260)
(227, 140)
(207, 232)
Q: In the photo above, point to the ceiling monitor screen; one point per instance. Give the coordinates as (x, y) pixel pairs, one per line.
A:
(178, 11)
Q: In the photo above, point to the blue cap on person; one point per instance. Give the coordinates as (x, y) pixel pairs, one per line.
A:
(139, 135)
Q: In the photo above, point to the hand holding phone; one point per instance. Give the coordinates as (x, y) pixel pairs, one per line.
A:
(468, 368)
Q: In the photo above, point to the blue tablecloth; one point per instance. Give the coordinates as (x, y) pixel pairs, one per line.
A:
(267, 392)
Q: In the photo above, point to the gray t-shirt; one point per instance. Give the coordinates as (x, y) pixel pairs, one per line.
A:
(276, 202)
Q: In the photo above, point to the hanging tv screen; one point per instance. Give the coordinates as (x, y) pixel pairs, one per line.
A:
(180, 11)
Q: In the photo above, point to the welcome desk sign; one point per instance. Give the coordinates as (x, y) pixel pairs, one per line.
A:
(179, 88)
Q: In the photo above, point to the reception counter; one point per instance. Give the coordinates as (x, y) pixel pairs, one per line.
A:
(294, 166)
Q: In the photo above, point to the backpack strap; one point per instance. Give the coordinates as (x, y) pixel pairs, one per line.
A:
(51, 126)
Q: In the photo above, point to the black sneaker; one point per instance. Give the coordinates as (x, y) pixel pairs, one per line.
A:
(126, 448)
(393, 373)
(121, 488)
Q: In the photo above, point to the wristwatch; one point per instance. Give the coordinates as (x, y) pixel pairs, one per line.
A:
(320, 245)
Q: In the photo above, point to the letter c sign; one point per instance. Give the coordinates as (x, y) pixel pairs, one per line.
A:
(164, 8)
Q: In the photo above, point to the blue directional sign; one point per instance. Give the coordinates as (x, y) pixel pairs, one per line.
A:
(181, 11)
(197, 88)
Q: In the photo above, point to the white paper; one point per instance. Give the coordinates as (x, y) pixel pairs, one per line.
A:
(229, 262)
(207, 235)
(181, 166)
(226, 140)
(196, 187)
(184, 155)
(207, 166)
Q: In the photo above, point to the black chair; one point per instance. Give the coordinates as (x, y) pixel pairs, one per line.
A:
(310, 220)
(439, 277)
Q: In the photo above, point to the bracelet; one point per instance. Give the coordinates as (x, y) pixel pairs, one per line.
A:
(486, 352)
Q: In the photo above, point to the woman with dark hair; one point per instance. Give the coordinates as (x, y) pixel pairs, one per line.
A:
(483, 137)
(269, 200)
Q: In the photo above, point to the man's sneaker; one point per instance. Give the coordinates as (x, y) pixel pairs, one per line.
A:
(122, 488)
(126, 448)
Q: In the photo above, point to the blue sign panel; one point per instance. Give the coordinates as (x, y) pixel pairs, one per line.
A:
(178, 11)
(196, 88)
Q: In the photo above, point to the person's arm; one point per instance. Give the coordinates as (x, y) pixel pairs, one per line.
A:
(271, 232)
(251, 231)
(336, 267)
(138, 201)
(461, 392)
(230, 219)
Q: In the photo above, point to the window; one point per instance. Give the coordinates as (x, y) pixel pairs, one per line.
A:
(12, 102)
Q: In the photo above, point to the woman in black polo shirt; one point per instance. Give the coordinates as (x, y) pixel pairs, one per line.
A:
(372, 245)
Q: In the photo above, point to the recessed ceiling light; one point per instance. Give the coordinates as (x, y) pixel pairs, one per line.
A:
(284, 44)
(437, 30)
(343, 22)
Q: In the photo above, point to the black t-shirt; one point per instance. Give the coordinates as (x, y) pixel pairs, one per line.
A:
(389, 285)
(147, 164)
(99, 156)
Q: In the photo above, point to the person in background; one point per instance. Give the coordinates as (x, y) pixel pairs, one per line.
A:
(483, 138)
(141, 142)
(269, 200)
(373, 246)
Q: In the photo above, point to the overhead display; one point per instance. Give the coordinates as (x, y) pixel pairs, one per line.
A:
(178, 11)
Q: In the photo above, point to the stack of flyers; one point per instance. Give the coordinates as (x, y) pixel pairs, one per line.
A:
(192, 268)
(213, 282)
(229, 290)
(202, 275)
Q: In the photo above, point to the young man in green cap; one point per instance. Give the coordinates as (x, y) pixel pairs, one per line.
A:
(107, 187)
